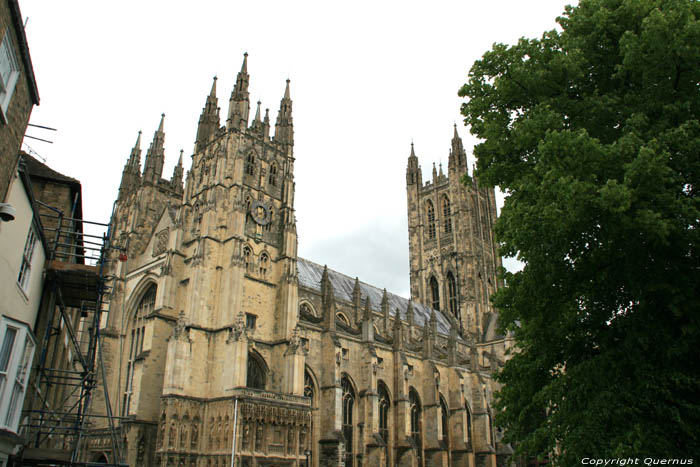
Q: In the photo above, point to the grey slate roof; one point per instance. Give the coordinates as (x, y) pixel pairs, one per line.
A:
(310, 275)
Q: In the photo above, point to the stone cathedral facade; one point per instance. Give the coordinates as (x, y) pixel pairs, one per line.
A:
(221, 341)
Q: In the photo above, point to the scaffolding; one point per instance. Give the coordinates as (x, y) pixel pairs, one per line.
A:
(70, 364)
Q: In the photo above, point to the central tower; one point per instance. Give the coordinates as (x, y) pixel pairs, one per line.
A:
(453, 258)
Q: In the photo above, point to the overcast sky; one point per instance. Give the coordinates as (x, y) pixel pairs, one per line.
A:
(367, 78)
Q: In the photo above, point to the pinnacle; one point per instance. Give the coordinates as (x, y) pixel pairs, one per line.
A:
(162, 119)
(213, 88)
(286, 91)
(244, 67)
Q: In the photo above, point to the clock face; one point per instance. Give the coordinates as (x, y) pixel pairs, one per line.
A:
(260, 212)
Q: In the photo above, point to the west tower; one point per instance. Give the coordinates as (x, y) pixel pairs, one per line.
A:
(453, 258)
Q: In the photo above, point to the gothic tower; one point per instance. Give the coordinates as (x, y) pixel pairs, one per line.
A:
(453, 258)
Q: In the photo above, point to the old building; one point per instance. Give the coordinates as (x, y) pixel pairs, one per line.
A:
(18, 91)
(220, 341)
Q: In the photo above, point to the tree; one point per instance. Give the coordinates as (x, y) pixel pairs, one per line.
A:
(593, 133)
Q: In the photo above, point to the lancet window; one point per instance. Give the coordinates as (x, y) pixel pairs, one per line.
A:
(384, 405)
(416, 429)
(430, 209)
(348, 406)
(447, 214)
(435, 292)
(250, 164)
(138, 328)
(444, 420)
(272, 179)
(452, 295)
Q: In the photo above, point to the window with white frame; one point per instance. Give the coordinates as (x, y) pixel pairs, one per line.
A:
(9, 72)
(16, 353)
(25, 268)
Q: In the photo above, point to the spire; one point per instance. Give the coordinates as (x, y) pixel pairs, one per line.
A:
(209, 119)
(239, 103)
(153, 166)
(131, 175)
(441, 173)
(284, 128)
(458, 157)
(257, 122)
(176, 180)
(266, 125)
(413, 172)
(434, 172)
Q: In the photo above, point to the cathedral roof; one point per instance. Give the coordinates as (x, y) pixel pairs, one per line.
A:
(310, 275)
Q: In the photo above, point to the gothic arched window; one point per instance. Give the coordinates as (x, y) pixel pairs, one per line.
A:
(138, 329)
(272, 179)
(447, 214)
(469, 423)
(250, 164)
(255, 378)
(452, 295)
(415, 407)
(348, 406)
(264, 264)
(384, 405)
(435, 292)
(444, 419)
(431, 219)
(267, 227)
(246, 257)
(309, 387)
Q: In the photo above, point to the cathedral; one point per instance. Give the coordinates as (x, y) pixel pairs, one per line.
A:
(222, 344)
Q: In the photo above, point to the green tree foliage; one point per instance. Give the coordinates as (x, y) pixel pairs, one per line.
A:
(593, 132)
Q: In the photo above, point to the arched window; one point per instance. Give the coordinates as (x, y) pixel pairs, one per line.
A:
(384, 405)
(415, 407)
(309, 387)
(272, 179)
(138, 328)
(250, 164)
(256, 372)
(447, 214)
(431, 219)
(444, 419)
(264, 264)
(348, 406)
(435, 292)
(246, 258)
(469, 423)
(344, 319)
(452, 295)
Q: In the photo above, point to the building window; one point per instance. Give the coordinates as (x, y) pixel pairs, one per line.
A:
(469, 423)
(255, 377)
(250, 164)
(435, 292)
(138, 329)
(415, 407)
(9, 73)
(431, 219)
(246, 257)
(16, 353)
(447, 214)
(348, 406)
(264, 264)
(384, 405)
(444, 419)
(272, 179)
(25, 268)
(267, 227)
(452, 295)
(250, 321)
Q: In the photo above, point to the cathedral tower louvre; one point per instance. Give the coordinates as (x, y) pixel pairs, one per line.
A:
(221, 340)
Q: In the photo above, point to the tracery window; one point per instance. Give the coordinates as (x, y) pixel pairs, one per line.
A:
(384, 405)
(452, 295)
(431, 219)
(435, 292)
(264, 264)
(267, 227)
(250, 164)
(256, 372)
(348, 406)
(446, 214)
(138, 328)
(309, 387)
(416, 429)
(246, 257)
